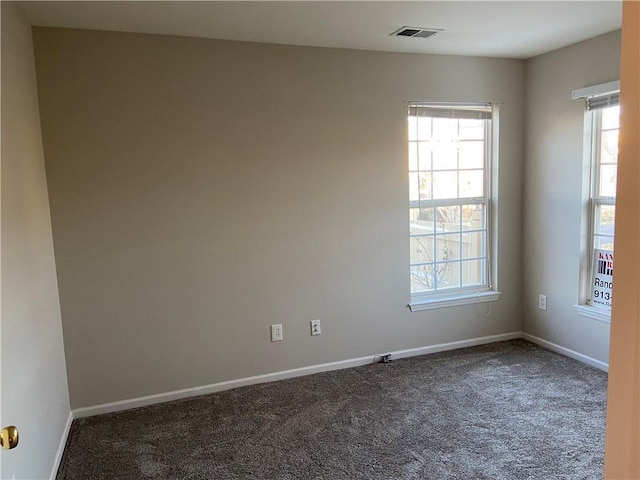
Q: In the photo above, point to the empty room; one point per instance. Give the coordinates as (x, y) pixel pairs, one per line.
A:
(320, 240)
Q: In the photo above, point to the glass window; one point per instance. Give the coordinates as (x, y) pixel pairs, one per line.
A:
(602, 204)
(449, 198)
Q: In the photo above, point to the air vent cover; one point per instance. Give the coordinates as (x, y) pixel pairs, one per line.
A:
(416, 32)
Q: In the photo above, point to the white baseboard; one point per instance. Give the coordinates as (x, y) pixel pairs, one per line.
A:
(567, 352)
(324, 367)
(63, 443)
(443, 347)
(271, 377)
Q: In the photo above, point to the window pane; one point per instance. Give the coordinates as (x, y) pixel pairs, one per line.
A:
(412, 124)
(611, 118)
(419, 186)
(471, 154)
(422, 278)
(448, 219)
(471, 183)
(608, 180)
(605, 219)
(424, 128)
(473, 245)
(473, 273)
(414, 187)
(471, 129)
(445, 185)
(413, 156)
(447, 247)
(425, 186)
(421, 220)
(419, 156)
(445, 155)
(605, 243)
(447, 275)
(424, 155)
(421, 249)
(445, 128)
(609, 147)
(473, 217)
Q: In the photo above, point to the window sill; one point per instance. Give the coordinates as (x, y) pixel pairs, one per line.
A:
(594, 313)
(453, 301)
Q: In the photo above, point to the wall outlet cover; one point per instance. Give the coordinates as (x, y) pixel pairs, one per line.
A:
(315, 327)
(542, 302)
(276, 333)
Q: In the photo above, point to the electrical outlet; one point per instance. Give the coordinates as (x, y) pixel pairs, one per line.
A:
(276, 333)
(542, 302)
(315, 327)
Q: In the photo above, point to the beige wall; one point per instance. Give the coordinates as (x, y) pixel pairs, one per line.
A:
(622, 456)
(202, 190)
(34, 381)
(556, 191)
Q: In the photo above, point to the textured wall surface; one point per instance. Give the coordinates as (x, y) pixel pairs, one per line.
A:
(34, 378)
(202, 190)
(556, 191)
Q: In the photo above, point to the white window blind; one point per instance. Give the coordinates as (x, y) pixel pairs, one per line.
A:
(480, 111)
(603, 101)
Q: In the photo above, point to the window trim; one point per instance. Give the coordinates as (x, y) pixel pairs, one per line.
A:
(473, 294)
(596, 90)
(591, 163)
(599, 314)
(419, 305)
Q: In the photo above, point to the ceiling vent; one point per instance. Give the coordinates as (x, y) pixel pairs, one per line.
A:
(416, 32)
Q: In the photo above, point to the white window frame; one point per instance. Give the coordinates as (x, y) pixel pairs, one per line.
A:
(593, 200)
(477, 293)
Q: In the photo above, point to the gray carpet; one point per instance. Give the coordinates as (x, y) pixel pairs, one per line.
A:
(508, 410)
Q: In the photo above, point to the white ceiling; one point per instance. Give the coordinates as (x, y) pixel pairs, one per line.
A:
(517, 29)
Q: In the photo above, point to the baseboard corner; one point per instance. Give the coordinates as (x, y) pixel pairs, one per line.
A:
(61, 446)
(554, 347)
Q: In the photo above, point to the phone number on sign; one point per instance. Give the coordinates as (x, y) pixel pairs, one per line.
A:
(603, 295)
